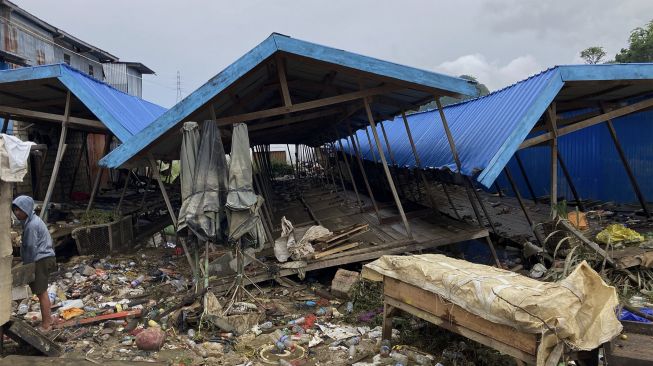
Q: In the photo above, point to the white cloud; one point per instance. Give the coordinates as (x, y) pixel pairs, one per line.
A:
(492, 73)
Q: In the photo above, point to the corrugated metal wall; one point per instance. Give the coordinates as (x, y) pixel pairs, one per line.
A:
(593, 162)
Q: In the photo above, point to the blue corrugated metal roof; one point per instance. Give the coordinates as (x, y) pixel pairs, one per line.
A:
(273, 44)
(123, 114)
(487, 131)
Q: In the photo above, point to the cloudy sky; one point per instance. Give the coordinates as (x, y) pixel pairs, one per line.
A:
(498, 41)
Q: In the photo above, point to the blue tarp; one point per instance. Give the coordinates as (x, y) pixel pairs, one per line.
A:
(123, 114)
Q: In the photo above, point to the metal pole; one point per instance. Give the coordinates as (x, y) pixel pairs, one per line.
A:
(386, 170)
(629, 170)
(525, 176)
(454, 152)
(563, 166)
(351, 176)
(362, 169)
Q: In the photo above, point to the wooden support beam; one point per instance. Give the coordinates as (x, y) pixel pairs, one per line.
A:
(359, 159)
(292, 120)
(51, 117)
(466, 181)
(525, 176)
(570, 182)
(531, 224)
(388, 176)
(246, 117)
(588, 122)
(57, 160)
(553, 128)
(629, 170)
(82, 152)
(283, 83)
(351, 176)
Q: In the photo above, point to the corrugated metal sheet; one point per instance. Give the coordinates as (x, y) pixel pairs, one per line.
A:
(481, 128)
(123, 114)
(593, 162)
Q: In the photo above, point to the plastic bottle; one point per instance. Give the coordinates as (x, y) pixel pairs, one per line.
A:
(138, 281)
(354, 341)
(23, 308)
(352, 351)
(266, 325)
(297, 321)
(283, 362)
(349, 307)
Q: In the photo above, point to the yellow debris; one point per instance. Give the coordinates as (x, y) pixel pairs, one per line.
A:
(617, 233)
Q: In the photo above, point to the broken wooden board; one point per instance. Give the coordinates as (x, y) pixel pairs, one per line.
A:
(22, 332)
(99, 318)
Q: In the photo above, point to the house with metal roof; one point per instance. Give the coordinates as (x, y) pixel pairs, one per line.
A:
(292, 92)
(560, 111)
(62, 109)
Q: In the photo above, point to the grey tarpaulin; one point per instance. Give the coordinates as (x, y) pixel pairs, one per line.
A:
(187, 158)
(203, 213)
(242, 202)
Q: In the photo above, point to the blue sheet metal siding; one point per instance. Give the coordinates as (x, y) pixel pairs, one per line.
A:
(482, 128)
(123, 114)
(594, 163)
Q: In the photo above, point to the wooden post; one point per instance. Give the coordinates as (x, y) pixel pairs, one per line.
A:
(98, 176)
(351, 176)
(418, 164)
(496, 186)
(629, 170)
(531, 224)
(369, 143)
(466, 183)
(446, 193)
(386, 170)
(395, 167)
(570, 182)
(124, 191)
(551, 121)
(156, 174)
(337, 161)
(359, 159)
(57, 161)
(525, 176)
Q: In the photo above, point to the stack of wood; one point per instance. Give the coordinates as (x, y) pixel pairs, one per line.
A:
(338, 241)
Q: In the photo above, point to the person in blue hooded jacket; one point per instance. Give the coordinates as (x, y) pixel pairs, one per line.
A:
(36, 248)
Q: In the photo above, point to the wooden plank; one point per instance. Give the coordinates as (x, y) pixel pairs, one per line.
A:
(246, 117)
(457, 316)
(21, 331)
(553, 127)
(588, 122)
(410, 215)
(293, 120)
(99, 318)
(51, 117)
(336, 250)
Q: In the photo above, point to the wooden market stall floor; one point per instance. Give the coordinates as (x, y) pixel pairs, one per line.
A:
(337, 210)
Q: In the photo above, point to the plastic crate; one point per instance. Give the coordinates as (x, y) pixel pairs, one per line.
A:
(104, 239)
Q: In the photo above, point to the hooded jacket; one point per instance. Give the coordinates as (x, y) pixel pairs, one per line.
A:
(36, 240)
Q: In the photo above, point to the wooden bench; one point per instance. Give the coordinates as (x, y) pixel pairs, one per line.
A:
(401, 296)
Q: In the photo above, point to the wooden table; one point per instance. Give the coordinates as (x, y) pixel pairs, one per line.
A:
(401, 296)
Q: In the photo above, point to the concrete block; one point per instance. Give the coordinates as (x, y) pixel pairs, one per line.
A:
(343, 282)
(20, 292)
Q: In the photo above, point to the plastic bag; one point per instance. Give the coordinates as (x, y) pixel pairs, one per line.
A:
(617, 233)
(286, 240)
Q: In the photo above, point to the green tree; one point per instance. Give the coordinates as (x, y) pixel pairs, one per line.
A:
(640, 46)
(480, 88)
(592, 55)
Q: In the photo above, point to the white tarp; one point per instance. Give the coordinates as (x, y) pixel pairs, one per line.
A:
(13, 158)
(578, 310)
